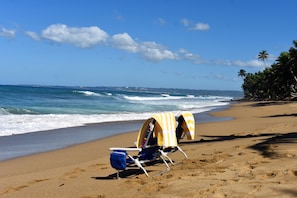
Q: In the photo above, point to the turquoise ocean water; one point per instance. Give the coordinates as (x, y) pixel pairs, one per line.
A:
(25, 109)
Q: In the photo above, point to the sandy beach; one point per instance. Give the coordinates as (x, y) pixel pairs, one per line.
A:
(252, 155)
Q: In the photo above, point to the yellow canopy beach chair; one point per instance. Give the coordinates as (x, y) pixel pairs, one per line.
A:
(155, 138)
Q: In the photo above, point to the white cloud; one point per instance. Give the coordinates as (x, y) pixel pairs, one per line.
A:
(7, 33)
(124, 42)
(239, 63)
(255, 63)
(195, 26)
(190, 56)
(33, 35)
(149, 50)
(155, 52)
(200, 26)
(183, 51)
(90, 36)
(83, 37)
(250, 63)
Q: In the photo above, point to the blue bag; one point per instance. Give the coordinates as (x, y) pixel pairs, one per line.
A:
(118, 160)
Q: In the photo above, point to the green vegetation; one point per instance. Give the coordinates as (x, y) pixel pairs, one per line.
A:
(277, 82)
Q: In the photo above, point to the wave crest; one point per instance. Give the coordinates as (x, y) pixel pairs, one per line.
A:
(88, 93)
(155, 98)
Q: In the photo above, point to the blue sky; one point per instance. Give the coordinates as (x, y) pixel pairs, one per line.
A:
(192, 44)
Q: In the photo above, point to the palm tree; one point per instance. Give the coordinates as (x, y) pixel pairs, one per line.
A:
(242, 73)
(263, 55)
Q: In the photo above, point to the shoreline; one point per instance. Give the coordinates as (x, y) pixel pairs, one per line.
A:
(252, 155)
(21, 145)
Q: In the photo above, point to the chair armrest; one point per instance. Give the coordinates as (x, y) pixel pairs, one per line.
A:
(124, 149)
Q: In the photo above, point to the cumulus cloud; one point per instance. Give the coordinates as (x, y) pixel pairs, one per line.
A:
(86, 37)
(7, 33)
(83, 37)
(124, 42)
(155, 52)
(149, 50)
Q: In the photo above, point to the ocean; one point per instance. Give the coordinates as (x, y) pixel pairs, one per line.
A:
(26, 112)
(25, 109)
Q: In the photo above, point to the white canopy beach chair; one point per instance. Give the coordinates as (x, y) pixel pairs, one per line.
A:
(155, 138)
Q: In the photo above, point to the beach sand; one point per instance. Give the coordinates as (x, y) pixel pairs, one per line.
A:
(252, 155)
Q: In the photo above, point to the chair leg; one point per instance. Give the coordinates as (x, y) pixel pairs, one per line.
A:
(140, 166)
(166, 164)
(163, 154)
(137, 163)
(182, 152)
(118, 174)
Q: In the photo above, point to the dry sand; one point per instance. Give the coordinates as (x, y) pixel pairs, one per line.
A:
(252, 155)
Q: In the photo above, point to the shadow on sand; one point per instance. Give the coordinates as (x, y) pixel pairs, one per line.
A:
(122, 174)
(268, 103)
(132, 170)
(264, 147)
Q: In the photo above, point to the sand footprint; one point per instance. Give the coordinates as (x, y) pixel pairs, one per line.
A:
(35, 181)
(12, 189)
(73, 174)
(99, 166)
(17, 188)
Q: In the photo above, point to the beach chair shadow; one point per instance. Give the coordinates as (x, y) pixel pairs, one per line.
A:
(156, 140)
(123, 174)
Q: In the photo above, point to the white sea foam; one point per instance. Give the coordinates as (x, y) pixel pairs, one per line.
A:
(19, 124)
(88, 93)
(154, 98)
